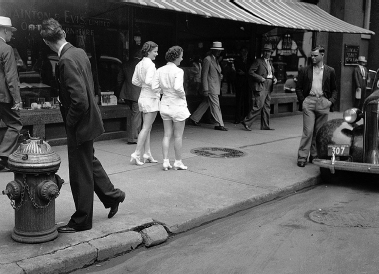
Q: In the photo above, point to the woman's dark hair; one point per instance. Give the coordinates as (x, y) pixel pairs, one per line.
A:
(147, 47)
(51, 30)
(173, 53)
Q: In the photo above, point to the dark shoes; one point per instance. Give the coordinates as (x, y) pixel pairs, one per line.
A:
(66, 229)
(245, 126)
(267, 128)
(221, 128)
(4, 164)
(311, 158)
(132, 143)
(194, 123)
(114, 208)
(301, 163)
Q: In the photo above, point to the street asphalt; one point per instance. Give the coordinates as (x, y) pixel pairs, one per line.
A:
(246, 168)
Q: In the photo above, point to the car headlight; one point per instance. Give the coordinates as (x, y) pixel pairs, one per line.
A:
(352, 115)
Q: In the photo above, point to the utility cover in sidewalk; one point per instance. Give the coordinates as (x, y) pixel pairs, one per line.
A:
(217, 152)
(341, 217)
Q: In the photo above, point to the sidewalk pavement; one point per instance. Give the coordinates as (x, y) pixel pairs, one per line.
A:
(211, 188)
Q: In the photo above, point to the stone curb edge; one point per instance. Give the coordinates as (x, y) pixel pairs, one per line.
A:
(87, 253)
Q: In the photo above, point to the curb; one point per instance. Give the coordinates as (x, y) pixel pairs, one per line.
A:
(150, 234)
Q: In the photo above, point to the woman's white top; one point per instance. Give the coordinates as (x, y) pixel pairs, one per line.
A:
(169, 81)
(143, 76)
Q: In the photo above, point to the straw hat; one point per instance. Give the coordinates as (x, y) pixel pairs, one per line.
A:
(362, 59)
(217, 45)
(6, 22)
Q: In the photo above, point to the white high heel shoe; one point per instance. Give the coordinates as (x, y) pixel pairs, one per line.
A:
(178, 165)
(149, 159)
(134, 159)
(166, 164)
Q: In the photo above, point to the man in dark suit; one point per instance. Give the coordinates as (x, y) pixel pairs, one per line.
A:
(261, 82)
(316, 90)
(10, 97)
(243, 96)
(211, 80)
(129, 94)
(360, 82)
(83, 124)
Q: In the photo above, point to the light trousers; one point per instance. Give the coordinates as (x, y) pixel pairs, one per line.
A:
(213, 103)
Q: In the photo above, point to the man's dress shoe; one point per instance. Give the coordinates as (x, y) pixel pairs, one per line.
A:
(221, 128)
(114, 208)
(301, 163)
(194, 123)
(245, 126)
(311, 158)
(66, 229)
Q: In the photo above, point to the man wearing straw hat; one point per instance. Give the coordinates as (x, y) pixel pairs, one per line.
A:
(10, 97)
(261, 81)
(360, 82)
(211, 80)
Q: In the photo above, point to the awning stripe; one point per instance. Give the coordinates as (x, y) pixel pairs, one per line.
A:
(298, 15)
(223, 9)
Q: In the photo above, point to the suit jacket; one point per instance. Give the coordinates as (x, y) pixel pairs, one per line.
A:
(77, 95)
(211, 75)
(9, 89)
(124, 79)
(239, 64)
(257, 73)
(359, 82)
(329, 84)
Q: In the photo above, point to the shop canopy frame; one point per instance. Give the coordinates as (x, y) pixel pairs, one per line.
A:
(298, 15)
(222, 9)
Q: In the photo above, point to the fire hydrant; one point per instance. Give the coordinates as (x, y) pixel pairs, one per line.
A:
(33, 191)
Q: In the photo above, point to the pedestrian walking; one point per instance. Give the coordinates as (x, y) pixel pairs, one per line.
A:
(360, 82)
(316, 90)
(211, 80)
(243, 96)
(148, 101)
(262, 81)
(129, 94)
(169, 81)
(10, 98)
(83, 123)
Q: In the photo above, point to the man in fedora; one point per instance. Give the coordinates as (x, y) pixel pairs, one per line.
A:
(261, 82)
(10, 97)
(360, 82)
(211, 81)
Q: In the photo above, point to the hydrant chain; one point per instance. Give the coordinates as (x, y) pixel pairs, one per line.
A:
(33, 201)
(13, 204)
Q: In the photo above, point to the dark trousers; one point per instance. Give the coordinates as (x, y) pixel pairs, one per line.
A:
(261, 106)
(11, 118)
(87, 176)
(243, 99)
(136, 122)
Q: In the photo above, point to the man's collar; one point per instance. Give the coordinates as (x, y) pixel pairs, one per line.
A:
(3, 39)
(60, 49)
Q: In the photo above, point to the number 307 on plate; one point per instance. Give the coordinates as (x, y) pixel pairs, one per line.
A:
(338, 150)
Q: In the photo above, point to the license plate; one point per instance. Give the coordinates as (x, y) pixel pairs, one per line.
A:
(339, 150)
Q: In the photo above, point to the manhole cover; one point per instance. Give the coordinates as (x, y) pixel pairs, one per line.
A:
(217, 152)
(341, 217)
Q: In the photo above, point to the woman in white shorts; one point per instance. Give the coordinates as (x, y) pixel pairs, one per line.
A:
(169, 81)
(148, 101)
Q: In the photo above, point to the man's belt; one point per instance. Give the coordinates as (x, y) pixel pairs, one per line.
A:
(316, 95)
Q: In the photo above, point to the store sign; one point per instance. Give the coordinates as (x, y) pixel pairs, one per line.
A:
(351, 55)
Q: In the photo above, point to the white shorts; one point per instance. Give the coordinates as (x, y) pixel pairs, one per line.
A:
(174, 113)
(146, 105)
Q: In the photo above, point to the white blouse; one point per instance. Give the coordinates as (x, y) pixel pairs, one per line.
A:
(143, 76)
(169, 81)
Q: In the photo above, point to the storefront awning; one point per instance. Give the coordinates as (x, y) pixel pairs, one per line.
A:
(222, 9)
(298, 15)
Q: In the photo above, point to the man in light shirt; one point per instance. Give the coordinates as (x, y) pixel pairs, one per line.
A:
(360, 82)
(316, 90)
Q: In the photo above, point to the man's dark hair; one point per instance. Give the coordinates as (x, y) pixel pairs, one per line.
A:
(320, 49)
(52, 31)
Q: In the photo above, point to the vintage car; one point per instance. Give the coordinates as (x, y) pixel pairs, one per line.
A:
(351, 144)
